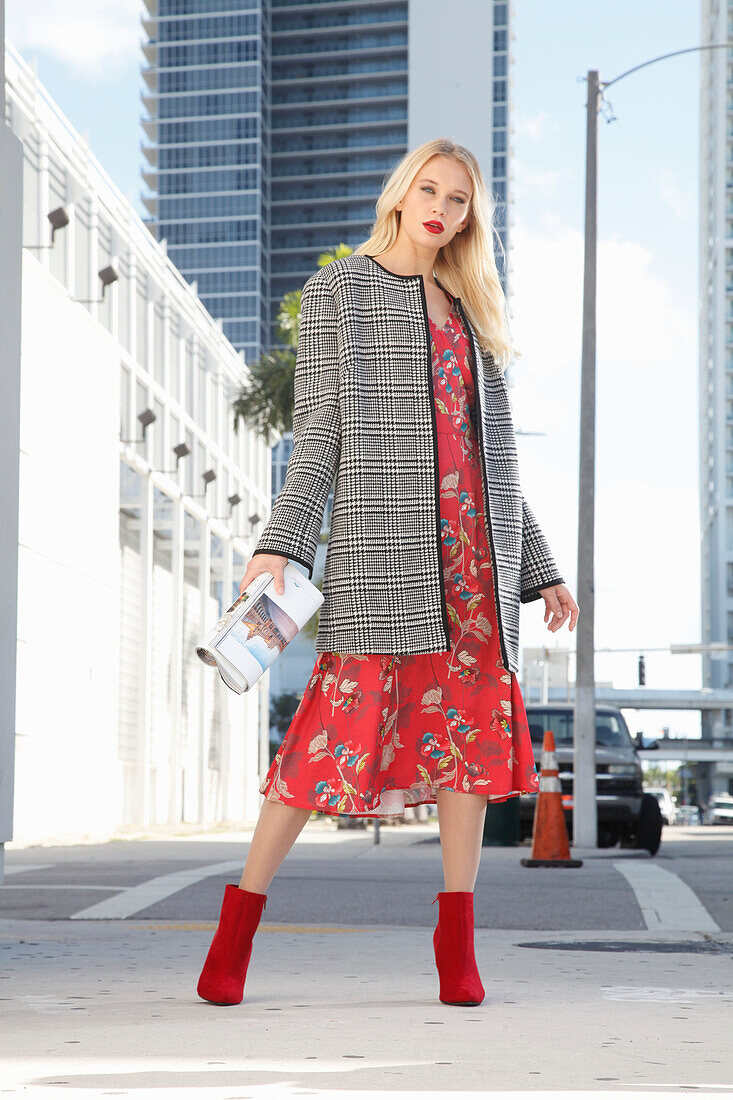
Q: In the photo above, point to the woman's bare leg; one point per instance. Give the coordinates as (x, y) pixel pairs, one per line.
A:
(277, 829)
(461, 820)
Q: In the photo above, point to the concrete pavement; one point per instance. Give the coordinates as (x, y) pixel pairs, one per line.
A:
(341, 994)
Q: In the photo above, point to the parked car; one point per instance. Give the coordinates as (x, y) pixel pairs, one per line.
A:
(667, 804)
(626, 815)
(720, 810)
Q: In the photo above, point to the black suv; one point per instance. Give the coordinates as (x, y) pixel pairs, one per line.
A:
(626, 815)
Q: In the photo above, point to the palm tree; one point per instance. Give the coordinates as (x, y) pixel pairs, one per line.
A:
(265, 403)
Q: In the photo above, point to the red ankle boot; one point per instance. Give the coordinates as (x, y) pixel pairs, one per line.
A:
(460, 983)
(222, 979)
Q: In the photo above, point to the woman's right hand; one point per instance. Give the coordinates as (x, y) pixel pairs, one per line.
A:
(265, 563)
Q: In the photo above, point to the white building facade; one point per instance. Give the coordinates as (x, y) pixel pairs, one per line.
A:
(139, 506)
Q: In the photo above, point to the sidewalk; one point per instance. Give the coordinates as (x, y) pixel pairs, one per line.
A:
(113, 1006)
(349, 1006)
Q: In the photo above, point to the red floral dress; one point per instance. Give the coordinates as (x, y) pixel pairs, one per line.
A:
(374, 733)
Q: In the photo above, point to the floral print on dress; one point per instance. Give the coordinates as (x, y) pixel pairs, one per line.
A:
(374, 733)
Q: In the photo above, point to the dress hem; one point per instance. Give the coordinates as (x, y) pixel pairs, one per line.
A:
(385, 812)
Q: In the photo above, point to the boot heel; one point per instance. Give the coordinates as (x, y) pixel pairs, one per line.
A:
(225, 969)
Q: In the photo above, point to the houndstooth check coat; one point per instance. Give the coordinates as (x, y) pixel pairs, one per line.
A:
(364, 414)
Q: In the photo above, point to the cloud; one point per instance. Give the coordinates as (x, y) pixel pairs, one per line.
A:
(679, 202)
(529, 184)
(646, 545)
(532, 126)
(93, 37)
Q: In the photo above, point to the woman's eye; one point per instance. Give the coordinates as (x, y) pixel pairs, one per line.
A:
(426, 187)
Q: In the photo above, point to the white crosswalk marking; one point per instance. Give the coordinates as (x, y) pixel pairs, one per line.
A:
(136, 898)
(666, 902)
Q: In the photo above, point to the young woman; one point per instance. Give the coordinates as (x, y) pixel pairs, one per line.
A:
(400, 395)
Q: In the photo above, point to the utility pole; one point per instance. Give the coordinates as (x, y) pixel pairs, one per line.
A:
(585, 828)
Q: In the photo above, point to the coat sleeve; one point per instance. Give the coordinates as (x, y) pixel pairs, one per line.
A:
(538, 565)
(294, 525)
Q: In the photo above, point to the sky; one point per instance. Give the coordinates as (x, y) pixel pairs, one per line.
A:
(647, 553)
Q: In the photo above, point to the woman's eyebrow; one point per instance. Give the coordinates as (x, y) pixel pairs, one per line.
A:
(457, 190)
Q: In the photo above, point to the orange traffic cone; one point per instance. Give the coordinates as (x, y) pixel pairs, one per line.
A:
(550, 846)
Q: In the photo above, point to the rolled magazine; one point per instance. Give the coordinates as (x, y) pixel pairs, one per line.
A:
(257, 627)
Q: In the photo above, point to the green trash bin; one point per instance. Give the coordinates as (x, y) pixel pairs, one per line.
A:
(501, 824)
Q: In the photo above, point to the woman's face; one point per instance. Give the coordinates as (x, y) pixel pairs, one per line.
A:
(436, 205)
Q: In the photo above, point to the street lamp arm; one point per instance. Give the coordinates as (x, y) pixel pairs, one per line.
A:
(689, 49)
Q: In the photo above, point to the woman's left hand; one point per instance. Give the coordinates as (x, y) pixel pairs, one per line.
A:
(558, 605)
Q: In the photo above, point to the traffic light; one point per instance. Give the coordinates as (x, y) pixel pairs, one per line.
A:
(642, 672)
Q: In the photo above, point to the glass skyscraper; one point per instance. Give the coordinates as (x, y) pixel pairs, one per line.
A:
(272, 124)
(206, 101)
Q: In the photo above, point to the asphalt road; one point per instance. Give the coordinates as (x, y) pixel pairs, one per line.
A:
(342, 875)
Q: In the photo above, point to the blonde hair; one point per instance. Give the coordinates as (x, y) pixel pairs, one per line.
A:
(466, 265)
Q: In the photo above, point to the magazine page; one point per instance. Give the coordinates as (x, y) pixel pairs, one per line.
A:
(249, 595)
(257, 627)
(251, 641)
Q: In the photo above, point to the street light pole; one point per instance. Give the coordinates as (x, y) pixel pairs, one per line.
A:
(585, 829)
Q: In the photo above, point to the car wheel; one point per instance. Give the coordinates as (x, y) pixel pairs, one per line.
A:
(649, 828)
(607, 837)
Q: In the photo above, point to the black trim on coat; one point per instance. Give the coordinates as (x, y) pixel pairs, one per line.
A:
(479, 419)
(434, 421)
(395, 273)
(289, 556)
(535, 593)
